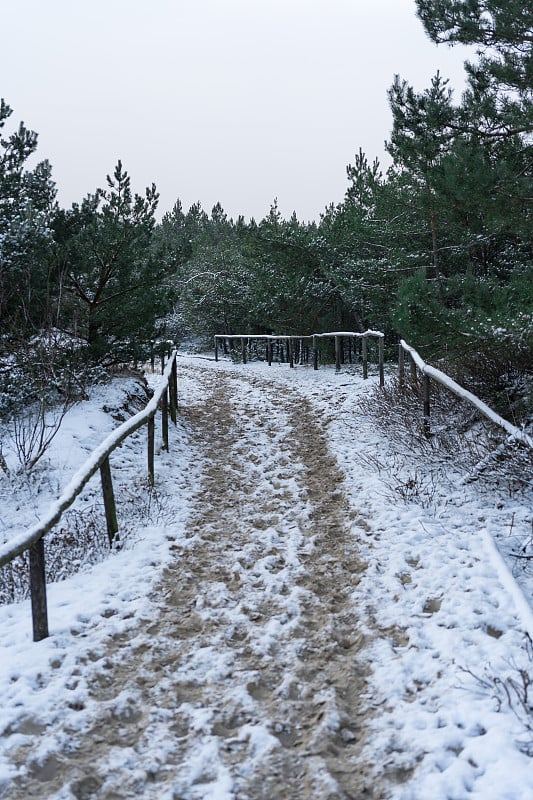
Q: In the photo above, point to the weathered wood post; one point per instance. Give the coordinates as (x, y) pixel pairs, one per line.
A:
(173, 388)
(291, 353)
(162, 361)
(381, 362)
(110, 507)
(164, 419)
(401, 366)
(152, 355)
(151, 447)
(365, 358)
(315, 353)
(243, 349)
(269, 352)
(39, 611)
(412, 364)
(337, 353)
(426, 395)
(216, 348)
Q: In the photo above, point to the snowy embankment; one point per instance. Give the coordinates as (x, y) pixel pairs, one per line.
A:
(251, 669)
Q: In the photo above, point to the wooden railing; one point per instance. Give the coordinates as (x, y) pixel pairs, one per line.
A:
(165, 396)
(311, 347)
(430, 373)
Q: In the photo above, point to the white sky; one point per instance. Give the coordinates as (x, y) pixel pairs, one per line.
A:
(237, 101)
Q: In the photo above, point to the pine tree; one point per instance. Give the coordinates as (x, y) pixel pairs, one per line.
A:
(26, 201)
(111, 273)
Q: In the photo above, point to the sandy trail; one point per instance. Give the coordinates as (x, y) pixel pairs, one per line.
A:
(253, 684)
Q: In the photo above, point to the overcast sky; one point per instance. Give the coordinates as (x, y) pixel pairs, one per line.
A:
(237, 101)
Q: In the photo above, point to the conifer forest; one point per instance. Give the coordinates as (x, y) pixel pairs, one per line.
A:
(436, 249)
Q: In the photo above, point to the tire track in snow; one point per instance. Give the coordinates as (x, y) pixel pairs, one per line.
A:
(251, 683)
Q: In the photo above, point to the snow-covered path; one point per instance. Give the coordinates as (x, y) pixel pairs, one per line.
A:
(288, 629)
(248, 682)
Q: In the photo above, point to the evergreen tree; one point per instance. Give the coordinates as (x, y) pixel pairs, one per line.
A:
(26, 201)
(113, 277)
(499, 101)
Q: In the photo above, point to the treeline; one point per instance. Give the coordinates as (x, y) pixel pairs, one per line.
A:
(437, 248)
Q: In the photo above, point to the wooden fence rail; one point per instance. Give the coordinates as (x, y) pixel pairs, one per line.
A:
(430, 373)
(33, 539)
(166, 397)
(311, 341)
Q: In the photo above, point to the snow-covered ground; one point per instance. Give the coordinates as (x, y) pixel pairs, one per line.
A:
(440, 621)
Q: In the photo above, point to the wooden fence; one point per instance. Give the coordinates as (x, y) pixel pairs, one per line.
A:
(165, 397)
(430, 373)
(302, 349)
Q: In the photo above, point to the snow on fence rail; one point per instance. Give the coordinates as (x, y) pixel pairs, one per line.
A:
(431, 373)
(298, 349)
(32, 539)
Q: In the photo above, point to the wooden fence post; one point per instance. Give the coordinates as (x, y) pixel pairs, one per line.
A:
(337, 353)
(164, 419)
(216, 348)
(412, 364)
(39, 611)
(315, 354)
(243, 349)
(151, 447)
(152, 355)
(291, 353)
(401, 366)
(365, 358)
(426, 391)
(269, 352)
(162, 361)
(109, 502)
(173, 389)
(381, 362)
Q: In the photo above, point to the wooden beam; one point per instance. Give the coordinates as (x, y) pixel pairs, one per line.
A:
(109, 502)
(39, 611)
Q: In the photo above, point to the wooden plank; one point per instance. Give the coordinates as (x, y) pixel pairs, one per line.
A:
(164, 420)
(151, 448)
(337, 353)
(173, 389)
(109, 502)
(427, 404)
(39, 610)
(412, 364)
(381, 362)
